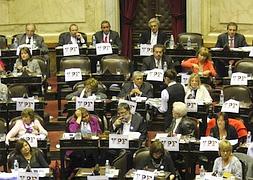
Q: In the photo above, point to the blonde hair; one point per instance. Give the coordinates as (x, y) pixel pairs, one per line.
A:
(193, 75)
(204, 52)
(225, 144)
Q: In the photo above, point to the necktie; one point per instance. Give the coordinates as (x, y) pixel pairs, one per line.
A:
(29, 41)
(231, 42)
(106, 39)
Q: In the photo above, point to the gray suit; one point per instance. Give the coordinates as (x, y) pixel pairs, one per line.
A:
(239, 40)
(149, 63)
(79, 91)
(146, 89)
(38, 41)
(32, 65)
(65, 38)
(114, 38)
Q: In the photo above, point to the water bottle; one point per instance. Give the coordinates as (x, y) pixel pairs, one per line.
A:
(107, 167)
(202, 172)
(172, 43)
(98, 67)
(165, 67)
(221, 98)
(94, 41)
(189, 43)
(15, 43)
(230, 70)
(16, 165)
(248, 137)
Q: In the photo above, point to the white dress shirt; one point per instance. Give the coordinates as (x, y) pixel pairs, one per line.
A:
(153, 39)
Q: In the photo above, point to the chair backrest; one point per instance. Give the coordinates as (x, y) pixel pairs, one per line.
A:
(239, 93)
(120, 163)
(3, 42)
(139, 156)
(3, 126)
(191, 126)
(247, 165)
(76, 62)
(196, 39)
(244, 65)
(13, 120)
(17, 90)
(114, 63)
(43, 65)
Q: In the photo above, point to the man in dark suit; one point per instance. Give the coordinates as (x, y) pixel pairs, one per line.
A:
(157, 60)
(231, 38)
(126, 122)
(153, 36)
(136, 88)
(106, 35)
(72, 37)
(29, 37)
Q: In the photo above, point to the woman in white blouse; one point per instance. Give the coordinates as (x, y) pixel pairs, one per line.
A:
(195, 90)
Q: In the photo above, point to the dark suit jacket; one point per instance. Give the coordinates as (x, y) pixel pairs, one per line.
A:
(145, 37)
(79, 91)
(239, 40)
(148, 63)
(65, 38)
(114, 38)
(137, 125)
(146, 89)
(231, 133)
(21, 39)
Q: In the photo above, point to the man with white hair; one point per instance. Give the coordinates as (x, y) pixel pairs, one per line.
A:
(181, 123)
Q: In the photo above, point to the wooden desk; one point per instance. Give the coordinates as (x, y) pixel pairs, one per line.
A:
(82, 173)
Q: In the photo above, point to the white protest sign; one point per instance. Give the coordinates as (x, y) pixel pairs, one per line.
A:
(239, 79)
(231, 105)
(133, 105)
(170, 143)
(251, 53)
(209, 144)
(31, 139)
(103, 48)
(192, 105)
(146, 49)
(87, 103)
(144, 175)
(23, 103)
(71, 50)
(28, 176)
(29, 46)
(73, 74)
(185, 78)
(118, 141)
(97, 178)
(155, 75)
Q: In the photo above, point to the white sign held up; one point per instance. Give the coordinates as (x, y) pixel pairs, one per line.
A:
(71, 50)
(146, 49)
(73, 74)
(118, 141)
(23, 103)
(192, 105)
(239, 79)
(144, 175)
(155, 75)
(31, 139)
(103, 48)
(170, 143)
(231, 105)
(209, 144)
(87, 103)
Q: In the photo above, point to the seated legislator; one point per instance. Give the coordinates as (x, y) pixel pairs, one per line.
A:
(158, 159)
(227, 164)
(174, 92)
(201, 64)
(72, 37)
(27, 155)
(29, 37)
(231, 38)
(126, 122)
(136, 88)
(4, 92)
(157, 60)
(195, 90)
(181, 124)
(28, 124)
(106, 35)
(25, 63)
(153, 35)
(91, 87)
(223, 130)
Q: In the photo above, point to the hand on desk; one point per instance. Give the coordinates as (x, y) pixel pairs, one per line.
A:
(135, 91)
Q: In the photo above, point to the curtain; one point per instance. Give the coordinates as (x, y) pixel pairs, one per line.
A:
(128, 9)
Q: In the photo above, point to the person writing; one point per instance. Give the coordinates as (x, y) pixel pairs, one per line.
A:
(201, 64)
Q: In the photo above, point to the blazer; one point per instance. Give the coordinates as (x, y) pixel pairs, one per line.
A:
(32, 65)
(239, 40)
(65, 38)
(21, 39)
(137, 125)
(231, 132)
(146, 89)
(114, 38)
(79, 91)
(146, 35)
(202, 94)
(148, 63)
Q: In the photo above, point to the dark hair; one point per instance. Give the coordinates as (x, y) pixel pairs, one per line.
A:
(123, 106)
(232, 24)
(83, 110)
(19, 145)
(27, 50)
(28, 112)
(225, 117)
(155, 147)
(72, 25)
(105, 22)
(159, 46)
(171, 74)
(31, 24)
